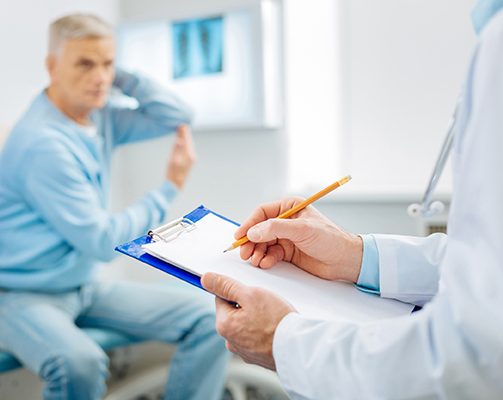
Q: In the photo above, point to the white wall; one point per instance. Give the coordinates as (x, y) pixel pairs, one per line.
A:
(370, 87)
(314, 96)
(406, 61)
(23, 38)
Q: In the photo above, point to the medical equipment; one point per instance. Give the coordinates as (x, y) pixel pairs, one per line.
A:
(427, 207)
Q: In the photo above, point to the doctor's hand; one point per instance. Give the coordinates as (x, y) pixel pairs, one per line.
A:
(183, 157)
(308, 240)
(248, 330)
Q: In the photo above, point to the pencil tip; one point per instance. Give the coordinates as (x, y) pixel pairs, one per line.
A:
(228, 249)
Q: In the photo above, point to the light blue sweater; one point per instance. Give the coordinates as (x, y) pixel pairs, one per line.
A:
(54, 181)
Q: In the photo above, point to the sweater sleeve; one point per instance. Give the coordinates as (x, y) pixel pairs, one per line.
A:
(159, 111)
(64, 196)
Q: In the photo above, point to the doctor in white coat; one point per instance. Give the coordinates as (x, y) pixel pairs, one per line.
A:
(453, 347)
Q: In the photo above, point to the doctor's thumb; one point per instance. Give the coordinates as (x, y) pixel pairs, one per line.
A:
(221, 286)
(275, 228)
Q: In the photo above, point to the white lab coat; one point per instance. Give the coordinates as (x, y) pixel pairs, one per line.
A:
(453, 348)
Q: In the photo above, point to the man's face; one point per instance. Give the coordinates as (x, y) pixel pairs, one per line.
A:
(82, 72)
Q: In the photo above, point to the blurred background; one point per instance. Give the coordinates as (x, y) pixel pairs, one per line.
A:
(306, 92)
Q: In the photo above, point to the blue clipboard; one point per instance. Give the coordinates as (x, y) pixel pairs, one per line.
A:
(135, 250)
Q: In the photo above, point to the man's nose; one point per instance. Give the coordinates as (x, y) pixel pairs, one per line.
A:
(102, 75)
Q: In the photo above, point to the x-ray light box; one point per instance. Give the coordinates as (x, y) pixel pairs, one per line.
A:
(225, 65)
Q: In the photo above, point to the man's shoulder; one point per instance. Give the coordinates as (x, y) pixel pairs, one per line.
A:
(35, 131)
(36, 115)
(32, 133)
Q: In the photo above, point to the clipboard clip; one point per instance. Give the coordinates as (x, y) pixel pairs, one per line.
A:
(172, 230)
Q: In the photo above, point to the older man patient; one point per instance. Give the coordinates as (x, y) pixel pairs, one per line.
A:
(55, 226)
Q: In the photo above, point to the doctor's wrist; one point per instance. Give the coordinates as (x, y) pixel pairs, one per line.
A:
(355, 256)
(349, 258)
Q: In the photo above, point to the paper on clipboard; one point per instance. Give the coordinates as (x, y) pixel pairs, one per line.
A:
(201, 250)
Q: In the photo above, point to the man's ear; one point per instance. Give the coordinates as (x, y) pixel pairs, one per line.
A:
(50, 64)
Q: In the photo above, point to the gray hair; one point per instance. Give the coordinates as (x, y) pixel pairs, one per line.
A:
(77, 26)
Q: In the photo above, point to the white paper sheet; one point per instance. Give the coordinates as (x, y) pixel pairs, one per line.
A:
(201, 251)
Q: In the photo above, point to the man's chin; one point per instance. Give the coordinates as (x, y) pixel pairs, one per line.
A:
(98, 103)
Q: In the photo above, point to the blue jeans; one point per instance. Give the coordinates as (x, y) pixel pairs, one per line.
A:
(41, 330)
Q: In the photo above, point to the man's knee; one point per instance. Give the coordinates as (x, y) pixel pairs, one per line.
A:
(76, 370)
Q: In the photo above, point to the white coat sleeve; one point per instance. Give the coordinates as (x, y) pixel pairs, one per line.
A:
(409, 266)
(453, 348)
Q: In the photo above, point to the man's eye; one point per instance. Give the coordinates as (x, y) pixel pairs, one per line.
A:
(85, 65)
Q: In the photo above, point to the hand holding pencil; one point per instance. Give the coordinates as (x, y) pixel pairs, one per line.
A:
(293, 231)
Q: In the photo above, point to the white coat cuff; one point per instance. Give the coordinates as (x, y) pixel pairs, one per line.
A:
(388, 266)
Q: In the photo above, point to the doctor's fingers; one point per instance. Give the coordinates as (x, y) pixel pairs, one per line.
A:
(224, 287)
(265, 212)
(295, 230)
(273, 255)
(231, 347)
(224, 311)
(258, 254)
(229, 321)
(248, 249)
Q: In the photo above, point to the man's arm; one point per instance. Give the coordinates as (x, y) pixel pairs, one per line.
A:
(159, 111)
(63, 194)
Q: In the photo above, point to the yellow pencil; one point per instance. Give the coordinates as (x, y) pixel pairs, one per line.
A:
(297, 208)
